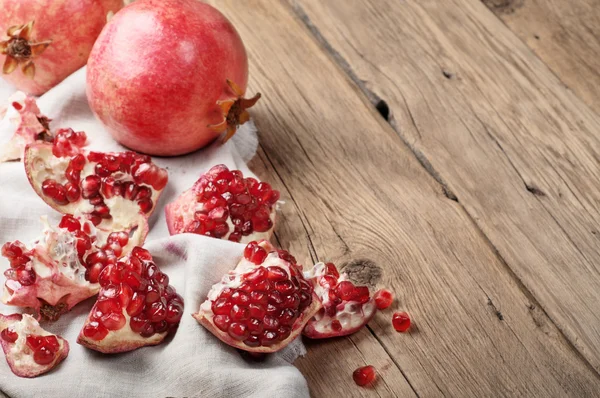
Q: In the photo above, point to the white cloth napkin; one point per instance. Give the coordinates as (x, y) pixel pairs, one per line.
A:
(192, 363)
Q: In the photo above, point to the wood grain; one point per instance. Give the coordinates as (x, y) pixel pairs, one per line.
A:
(564, 34)
(354, 190)
(490, 121)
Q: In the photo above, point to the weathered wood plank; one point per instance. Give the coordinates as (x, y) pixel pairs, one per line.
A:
(358, 193)
(485, 115)
(564, 34)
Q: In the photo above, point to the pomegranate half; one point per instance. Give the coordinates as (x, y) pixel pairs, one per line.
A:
(47, 40)
(136, 306)
(167, 77)
(263, 304)
(223, 204)
(30, 350)
(63, 267)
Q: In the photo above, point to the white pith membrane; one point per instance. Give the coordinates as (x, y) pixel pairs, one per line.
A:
(21, 125)
(20, 356)
(352, 315)
(41, 164)
(60, 276)
(182, 211)
(233, 279)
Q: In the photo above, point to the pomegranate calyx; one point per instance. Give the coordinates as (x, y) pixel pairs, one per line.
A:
(20, 49)
(234, 111)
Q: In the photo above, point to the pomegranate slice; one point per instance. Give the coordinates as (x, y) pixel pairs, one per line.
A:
(223, 204)
(136, 306)
(24, 121)
(30, 351)
(263, 304)
(63, 266)
(346, 307)
(116, 191)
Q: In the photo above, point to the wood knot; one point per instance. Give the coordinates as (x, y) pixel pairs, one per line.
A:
(363, 272)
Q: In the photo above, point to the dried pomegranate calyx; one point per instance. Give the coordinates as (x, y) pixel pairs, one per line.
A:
(19, 48)
(234, 111)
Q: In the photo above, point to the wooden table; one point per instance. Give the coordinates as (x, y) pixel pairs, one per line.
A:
(449, 150)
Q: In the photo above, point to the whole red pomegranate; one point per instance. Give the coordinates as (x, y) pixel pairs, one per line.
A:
(167, 77)
(47, 40)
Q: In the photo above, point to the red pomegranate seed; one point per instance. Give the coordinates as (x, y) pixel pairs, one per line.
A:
(9, 335)
(113, 321)
(55, 191)
(364, 375)
(383, 299)
(77, 162)
(345, 290)
(136, 305)
(238, 331)
(222, 322)
(254, 253)
(401, 321)
(146, 205)
(95, 331)
(26, 277)
(44, 355)
(70, 223)
(72, 192)
(90, 186)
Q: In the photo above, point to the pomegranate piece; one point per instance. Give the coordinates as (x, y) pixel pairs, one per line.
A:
(346, 307)
(401, 321)
(25, 123)
(364, 375)
(211, 74)
(383, 299)
(37, 56)
(116, 191)
(63, 267)
(30, 351)
(136, 306)
(263, 304)
(225, 205)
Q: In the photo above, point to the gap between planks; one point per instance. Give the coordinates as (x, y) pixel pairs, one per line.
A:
(382, 108)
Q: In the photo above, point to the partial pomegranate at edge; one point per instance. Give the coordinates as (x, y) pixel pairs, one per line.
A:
(263, 304)
(167, 77)
(223, 204)
(47, 40)
(30, 350)
(26, 124)
(136, 306)
(346, 307)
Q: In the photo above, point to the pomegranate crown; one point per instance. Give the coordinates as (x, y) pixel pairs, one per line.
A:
(19, 48)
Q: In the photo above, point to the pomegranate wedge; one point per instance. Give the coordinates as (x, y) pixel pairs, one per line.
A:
(63, 267)
(136, 306)
(346, 308)
(263, 304)
(225, 205)
(30, 351)
(116, 191)
(26, 123)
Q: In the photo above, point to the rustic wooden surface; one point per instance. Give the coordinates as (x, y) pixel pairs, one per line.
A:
(433, 149)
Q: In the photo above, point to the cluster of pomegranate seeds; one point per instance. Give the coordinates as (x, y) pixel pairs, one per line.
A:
(262, 310)
(340, 292)
(364, 375)
(383, 299)
(9, 335)
(44, 348)
(401, 321)
(226, 193)
(135, 286)
(20, 268)
(105, 183)
(95, 261)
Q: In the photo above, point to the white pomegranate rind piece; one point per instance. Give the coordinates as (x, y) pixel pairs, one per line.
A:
(108, 328)
(61, 280)
(236, 278)
(23, 119)
(350, 316)
(242, 209)
(18, 355)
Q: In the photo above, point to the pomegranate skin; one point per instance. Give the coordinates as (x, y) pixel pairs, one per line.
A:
(72, 25)
(157, 71)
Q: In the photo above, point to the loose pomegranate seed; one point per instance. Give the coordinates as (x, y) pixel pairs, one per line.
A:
(401, 321)
(364, 375)
(383, 299)
(9, 335)
(254, 253)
